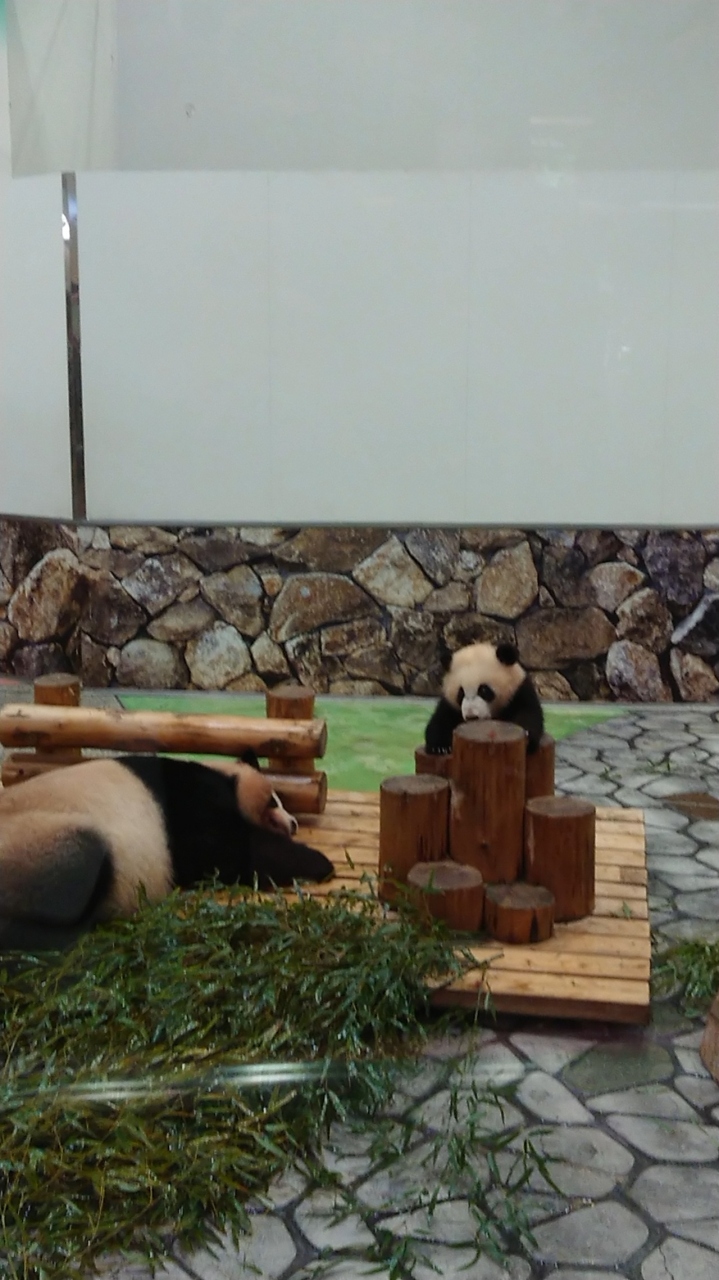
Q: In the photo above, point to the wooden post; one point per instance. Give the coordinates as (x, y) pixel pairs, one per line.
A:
(519, 913)
(290, 702)
(559, 852)
(449, 891)
(59, 689)
(487, 807)
(300, 792)
(439, 766)
(540, 769)
(709, 1050)
(23, 725)
(413, 815)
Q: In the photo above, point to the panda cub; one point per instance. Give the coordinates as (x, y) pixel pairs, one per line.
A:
(78, 844)
(484, 682)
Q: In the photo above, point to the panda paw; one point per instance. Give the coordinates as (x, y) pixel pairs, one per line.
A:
(438, 751)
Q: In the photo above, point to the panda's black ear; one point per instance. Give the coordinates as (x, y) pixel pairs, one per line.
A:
(249, 756)
(507, 654)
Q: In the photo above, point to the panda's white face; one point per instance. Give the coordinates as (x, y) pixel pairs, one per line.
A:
(478, 684)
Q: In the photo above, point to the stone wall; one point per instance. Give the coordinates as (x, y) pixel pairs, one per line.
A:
(597, 614)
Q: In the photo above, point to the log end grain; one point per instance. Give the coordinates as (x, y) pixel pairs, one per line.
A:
(519, 913)
(449, 891)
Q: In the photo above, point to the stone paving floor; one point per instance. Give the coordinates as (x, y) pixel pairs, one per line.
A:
(629, 1116)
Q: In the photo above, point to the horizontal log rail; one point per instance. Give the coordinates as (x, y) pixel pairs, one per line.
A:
(48, 727)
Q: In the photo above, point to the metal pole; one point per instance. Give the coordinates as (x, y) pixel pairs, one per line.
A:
(74, 362)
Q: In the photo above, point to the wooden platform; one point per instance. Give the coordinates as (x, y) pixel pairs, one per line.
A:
(597, 968)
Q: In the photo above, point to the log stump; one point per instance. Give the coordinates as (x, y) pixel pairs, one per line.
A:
(413, 820)
(438, 766)
(449, 891)
(559, 852)
(487, 806)
(518, 913)
(58, 689)
(709, 1050)
(540, 769)
(300, 792)
(290, 702)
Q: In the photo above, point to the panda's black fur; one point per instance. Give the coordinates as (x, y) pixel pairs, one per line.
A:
(77, 843)
(489, 682)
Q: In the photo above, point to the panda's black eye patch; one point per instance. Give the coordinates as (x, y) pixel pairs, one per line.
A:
(460, 695)
(486, 692)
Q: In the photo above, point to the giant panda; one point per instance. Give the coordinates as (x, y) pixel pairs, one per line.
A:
(485, 681)
(77, 844)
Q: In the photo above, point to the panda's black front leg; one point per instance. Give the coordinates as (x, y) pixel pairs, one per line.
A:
(440, 729)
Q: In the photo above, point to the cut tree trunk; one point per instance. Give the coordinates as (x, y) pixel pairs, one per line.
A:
(487, 808)
(540, 769)
(413, 820)
(559, 852)
(449, 891)
(519, 913)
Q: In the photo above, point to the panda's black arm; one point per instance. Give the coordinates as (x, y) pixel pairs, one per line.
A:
(438, 734)
(525, 709)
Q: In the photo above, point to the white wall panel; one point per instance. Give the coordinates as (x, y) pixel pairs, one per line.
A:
(34, 430)
(369, 290)
(691, 441)
(571, 314)
(174, 312)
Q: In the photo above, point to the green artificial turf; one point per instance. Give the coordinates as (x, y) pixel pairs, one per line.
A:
(368, 738)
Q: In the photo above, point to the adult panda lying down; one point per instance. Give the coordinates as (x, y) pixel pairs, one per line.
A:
(76, 844)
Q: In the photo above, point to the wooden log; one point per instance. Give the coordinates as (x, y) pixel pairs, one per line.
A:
(487, 805)
(21, 765)
(438, 766)
(413, 816)
(540, 769)
(518, 913)
(300, 792)
(709, 1050)
(290, 702)
(31, 726)
(559, 852)
(449, 891)
(58, 689)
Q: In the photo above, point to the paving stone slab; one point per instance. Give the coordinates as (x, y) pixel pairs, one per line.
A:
(494, 1066)
(677, 1140)
(698, 1090)
(451, 1223)
(619, 1065)
(705, 1232)
(602, 1235)
(647, 1100)
(688, 930)
(345, 1269)
(461, 1264)
(583, 1161)
(571, 1273)
(691, 1063)
(709, 858)
(548, 1099)
(315, 1217)
(705, 832)
(678, 1193)
(677, 1260)
(550, 1052)
(269, 1250)
(492, 1117)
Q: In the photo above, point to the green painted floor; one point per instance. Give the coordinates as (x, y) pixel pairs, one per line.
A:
(368, 738)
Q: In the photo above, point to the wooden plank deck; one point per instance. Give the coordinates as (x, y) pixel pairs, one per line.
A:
(596, 968)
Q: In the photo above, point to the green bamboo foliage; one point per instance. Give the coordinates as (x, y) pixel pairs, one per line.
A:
(168, 1067)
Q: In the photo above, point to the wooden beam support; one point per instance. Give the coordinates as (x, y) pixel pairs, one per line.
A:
(53, 727)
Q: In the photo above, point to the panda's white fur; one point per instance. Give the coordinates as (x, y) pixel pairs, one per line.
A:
(485, 681)
(472, 668)
(77, 845)
(36, 814)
